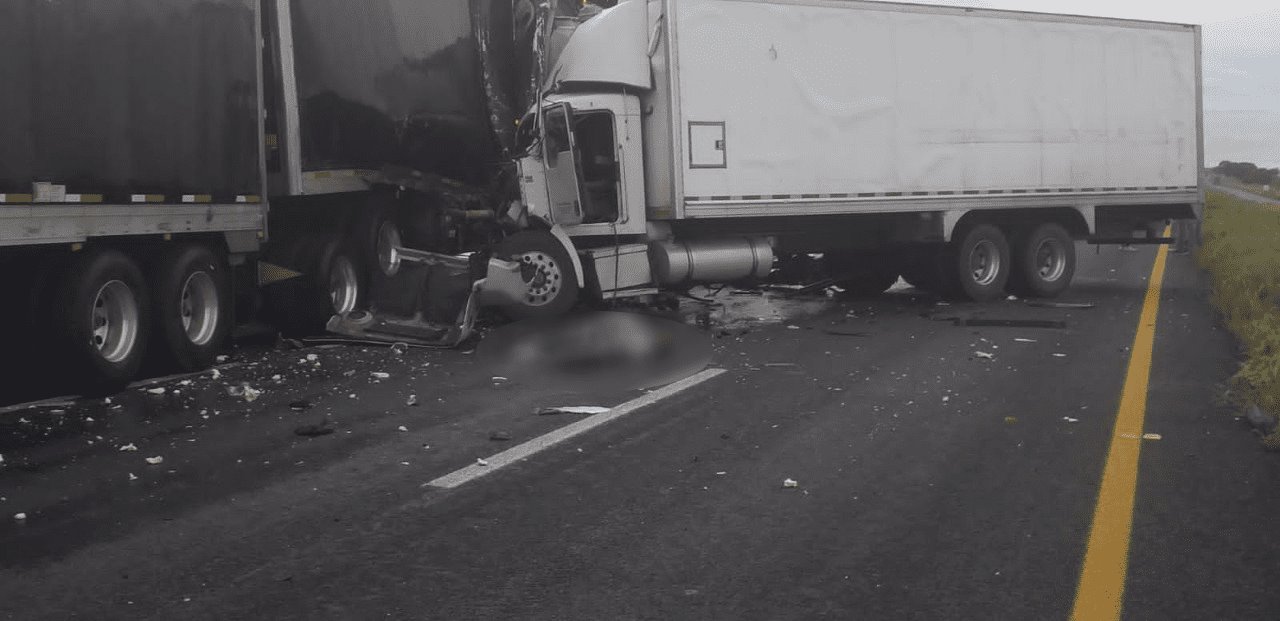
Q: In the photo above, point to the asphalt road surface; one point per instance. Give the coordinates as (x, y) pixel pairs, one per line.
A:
(941, 471)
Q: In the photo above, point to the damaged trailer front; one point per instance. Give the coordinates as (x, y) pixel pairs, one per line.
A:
(389, 156)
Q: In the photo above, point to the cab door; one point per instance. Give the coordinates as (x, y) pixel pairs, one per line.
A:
(563, 169)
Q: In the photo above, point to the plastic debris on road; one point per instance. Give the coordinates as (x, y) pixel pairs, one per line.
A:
(789, 483)
(380, 375)
(983, 354)
(1059, 355)
(411, 401)
(312, 357)
(1152, 436)
(482, 462)
(155, 461)
(300, 405)
(500, 436)
(216, 374)
(499, 378)
(1070, 420)
(130, 447)
(251, 394)
(399, 349)
(402, 428)
(1011, 420)
(545, 411)
(1026, 341)
(20, 516)
(221, 359)
(156, 391)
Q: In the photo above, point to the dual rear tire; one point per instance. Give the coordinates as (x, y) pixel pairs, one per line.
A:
(107, 315)
(981, 263)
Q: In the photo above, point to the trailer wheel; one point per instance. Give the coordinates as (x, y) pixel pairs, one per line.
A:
(192, 306)
(331, 286)
(103, 316)
(552, 287)
(977, 265)
(1044, 261)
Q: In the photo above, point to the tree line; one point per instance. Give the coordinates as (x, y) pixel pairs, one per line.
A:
(1248, 172)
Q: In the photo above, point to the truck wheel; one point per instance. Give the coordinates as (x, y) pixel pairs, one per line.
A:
(103, 317)
(192, 306)
(1044, 261)
(977, 265)
(331, 286)
(552, 286)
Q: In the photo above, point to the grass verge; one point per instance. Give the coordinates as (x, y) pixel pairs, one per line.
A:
(1241, 252)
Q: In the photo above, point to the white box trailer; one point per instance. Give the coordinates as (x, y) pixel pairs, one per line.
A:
(958, 147)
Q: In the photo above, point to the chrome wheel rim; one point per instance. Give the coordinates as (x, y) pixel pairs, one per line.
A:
(1051, 260)
(542, 275)
(388, 240)
(984, 262)
(114, 321)
(198, 308)
(344, 285)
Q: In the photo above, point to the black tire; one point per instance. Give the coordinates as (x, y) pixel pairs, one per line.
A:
(101, 289)
(191, 306)
(976, 264)
(1044, 261)
(860, 275)
(553, 285)
(303, 306)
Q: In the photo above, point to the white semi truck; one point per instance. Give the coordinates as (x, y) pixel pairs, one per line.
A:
(964, 149)
(666, 143)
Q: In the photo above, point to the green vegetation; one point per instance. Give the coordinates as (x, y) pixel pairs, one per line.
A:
(1248, 172)
(1241, 251)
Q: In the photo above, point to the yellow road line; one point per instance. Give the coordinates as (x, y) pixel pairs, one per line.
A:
(1106, 559)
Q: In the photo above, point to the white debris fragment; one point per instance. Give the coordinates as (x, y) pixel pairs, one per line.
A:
(155, 461)
(721, 473)
(402, 428)
(793, 327)
(251, 394)
(215, 374)
(133, 477)
(1059, 355)
(1152, 436)
(1070, 420)
(186, 382)
(574, 409)
(399, 349)
(983, 354)
(789, 483)
(275, 378)
(312, 357)
(129, 448)
(221, 359)
(1, 458)
(156, 391)
(946, 399)
(380, 375)
(106, 401)
(1012, 298)
(351, 396)
(349, 373)
(482, 462)
(1026, 340)
(20, 516)
(499, 378)
(412, 400)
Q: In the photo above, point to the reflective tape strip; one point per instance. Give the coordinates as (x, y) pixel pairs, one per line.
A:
(918, 193)
(197, 198)
(250, 198)
(82, 198)
(147, 198)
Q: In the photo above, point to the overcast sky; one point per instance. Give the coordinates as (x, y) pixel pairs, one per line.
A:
(1241, 64)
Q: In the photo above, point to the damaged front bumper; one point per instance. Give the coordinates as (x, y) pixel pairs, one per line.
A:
(430, 312)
